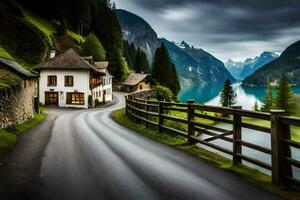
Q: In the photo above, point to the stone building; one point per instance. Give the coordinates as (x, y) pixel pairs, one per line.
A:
(18, 88)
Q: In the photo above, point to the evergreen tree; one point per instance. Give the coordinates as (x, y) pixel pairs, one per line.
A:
(93, 47)
(126, 53)
(228, 95)
(141, 62)
(107, 28)
(283, 94)
(163, 71)
(255, 107)
(268, 100)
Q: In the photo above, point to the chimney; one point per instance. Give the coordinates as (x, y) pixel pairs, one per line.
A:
(52, 53)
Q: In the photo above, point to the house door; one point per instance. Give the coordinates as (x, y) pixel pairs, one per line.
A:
(51, 98)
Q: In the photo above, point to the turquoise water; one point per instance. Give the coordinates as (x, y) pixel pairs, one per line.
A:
(246, 96)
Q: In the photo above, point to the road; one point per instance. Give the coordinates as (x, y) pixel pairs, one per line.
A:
(89, 157)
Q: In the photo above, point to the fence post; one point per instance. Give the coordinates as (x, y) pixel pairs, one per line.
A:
(138, 113)
(190, 118)
(147, 110)
(160, 117)
(280, 150)
(237, 135)
(126, 106)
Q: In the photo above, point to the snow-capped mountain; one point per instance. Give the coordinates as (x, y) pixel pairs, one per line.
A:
(241, 70)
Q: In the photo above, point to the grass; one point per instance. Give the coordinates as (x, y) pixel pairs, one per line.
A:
(78, 38)
(9, 136)
(5, 54)
(43, 25)
(180, 143)
(8, 79)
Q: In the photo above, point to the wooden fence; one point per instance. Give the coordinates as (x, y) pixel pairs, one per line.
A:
(158, 113)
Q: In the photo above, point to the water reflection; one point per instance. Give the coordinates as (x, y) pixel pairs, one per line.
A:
(246, 96)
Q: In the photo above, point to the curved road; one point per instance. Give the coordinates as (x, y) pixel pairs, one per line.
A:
(90, 157)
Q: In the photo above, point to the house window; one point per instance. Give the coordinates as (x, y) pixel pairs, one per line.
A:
(146, 82)
(69, 81)
(75, 98)
(52, 80)
(141, 87)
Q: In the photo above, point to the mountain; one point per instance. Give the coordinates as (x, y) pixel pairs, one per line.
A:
(196, 68)
(241, 70)
(137, 31)
(209, 66)
(288, 64)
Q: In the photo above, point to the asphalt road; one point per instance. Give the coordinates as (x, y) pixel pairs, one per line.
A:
(90, 157)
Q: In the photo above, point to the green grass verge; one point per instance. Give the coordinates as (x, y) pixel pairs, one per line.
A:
(180, 143)
(8, 137)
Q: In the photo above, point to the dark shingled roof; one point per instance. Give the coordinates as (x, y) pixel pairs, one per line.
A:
(134, 79)
(68, 60)
(16, 68)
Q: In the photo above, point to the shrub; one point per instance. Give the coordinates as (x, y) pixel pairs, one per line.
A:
(164, 93)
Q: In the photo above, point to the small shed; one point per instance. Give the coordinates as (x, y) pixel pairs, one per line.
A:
(136, 82)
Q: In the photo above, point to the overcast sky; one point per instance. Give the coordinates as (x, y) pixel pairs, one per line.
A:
(236, 29)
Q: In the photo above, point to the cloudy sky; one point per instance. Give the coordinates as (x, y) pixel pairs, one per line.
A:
(235, 29)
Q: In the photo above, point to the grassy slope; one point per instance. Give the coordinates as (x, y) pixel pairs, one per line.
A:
(179, 143)
(47, 28)
(43, 25)
(9, 137)
(5, 54)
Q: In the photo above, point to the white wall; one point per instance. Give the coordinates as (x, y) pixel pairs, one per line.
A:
(81, 79)
(106, 85)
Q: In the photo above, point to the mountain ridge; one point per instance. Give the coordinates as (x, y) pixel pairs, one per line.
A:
(242, 69)
(194, 65)
(287, 64)
(144, 32)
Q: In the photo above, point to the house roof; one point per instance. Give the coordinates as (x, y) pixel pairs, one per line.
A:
(101, 65)
(16, 68)
(68, 60)
(134, 79)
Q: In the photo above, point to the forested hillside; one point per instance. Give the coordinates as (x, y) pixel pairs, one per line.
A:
(288, 64)
(31, 28)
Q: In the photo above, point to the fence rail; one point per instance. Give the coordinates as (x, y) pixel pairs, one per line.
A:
(158, 113)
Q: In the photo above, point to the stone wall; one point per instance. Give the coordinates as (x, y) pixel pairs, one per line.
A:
(143, 94)
(17, 103)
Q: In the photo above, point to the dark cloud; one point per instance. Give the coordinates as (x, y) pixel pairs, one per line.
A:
(223, 21)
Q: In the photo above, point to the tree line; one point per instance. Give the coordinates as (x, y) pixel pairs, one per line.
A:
(281, 100)
(87, 17)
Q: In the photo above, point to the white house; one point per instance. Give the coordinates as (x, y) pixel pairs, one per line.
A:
(103, 92)
(67, 80)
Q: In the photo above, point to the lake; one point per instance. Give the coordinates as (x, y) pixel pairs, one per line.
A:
(246, 97)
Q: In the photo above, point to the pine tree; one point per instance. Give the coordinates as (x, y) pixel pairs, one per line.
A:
(93, 47)
(255, 107)
(268, 100)
(141, 62)
(228, 95)
(163, 71)
(283, 94)
(107, 29)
